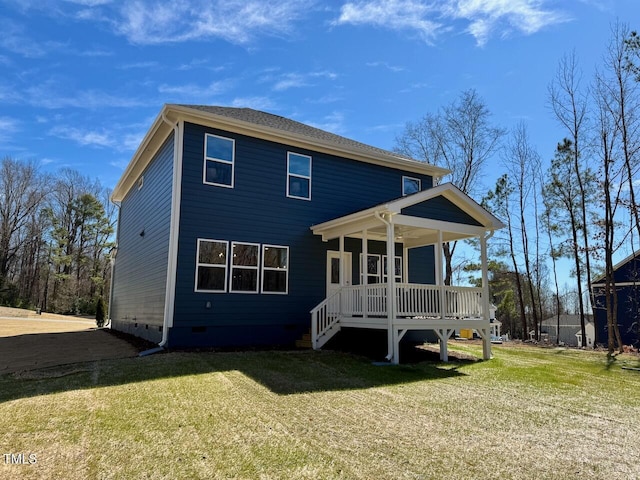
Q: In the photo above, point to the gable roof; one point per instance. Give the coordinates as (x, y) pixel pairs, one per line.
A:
(566, 320)
(267, 126)
(621, 263)
(416, 231)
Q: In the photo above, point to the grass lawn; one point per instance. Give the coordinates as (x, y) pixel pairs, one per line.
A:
(527, 414)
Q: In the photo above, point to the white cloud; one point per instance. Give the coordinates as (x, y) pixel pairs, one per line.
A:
(413, 15)
(298, 80)
(485, 18)
(8, 126)
(83, 137)
(333, 122)
(195, 92)
(393, 68)
(147, 22)
(488, 16)
(48, 95)
(257, 103)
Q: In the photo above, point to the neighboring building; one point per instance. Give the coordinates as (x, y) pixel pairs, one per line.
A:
(235, 224)
(626, 276)
(570, 330)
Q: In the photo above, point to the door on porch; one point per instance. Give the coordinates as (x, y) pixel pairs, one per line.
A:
(333, 271)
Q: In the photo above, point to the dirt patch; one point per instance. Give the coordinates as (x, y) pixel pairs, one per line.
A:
(29, 341)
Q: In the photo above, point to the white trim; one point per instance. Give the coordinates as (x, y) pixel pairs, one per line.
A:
(295, 175)
(244, 267)
(617, 284)
(212, 265)
(365, 263)
(158, 133)
(405, 177)
(397, 278)
(174, 231)
(219, 160)
(263, 269)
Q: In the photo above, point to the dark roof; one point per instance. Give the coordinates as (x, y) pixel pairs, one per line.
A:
(287, 125)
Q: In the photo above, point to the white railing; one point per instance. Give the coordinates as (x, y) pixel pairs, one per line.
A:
(412, 300)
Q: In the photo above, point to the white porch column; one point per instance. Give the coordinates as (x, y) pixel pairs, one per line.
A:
(341, 268)
(405, 264)
(440, 276)
(391, 295)
(486, 340)
(363, 269)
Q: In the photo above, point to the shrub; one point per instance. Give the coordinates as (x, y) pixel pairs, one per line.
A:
(100, 312)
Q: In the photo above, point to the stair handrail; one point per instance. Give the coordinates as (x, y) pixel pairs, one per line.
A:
(316, 329)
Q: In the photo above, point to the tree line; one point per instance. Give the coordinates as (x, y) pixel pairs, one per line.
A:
(578, 207)
(56, 234)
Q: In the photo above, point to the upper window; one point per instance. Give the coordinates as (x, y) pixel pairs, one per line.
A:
(219, 155)
(244, 267)
(211, 266)
(275, 269)
(410, 185)
(298, 176)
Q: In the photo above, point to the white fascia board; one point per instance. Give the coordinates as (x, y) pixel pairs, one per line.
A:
(456, 196)
(302, 141)
(147, 149)
(615, 267)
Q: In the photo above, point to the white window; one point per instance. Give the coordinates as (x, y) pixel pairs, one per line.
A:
(298, 176)
(244, 267)
(410, 185)
(219, 156)
(275, 269)
(373, 269)
(397, 269)
(211, 265)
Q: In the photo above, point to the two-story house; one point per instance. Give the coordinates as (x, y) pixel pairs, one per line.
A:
(242, 228)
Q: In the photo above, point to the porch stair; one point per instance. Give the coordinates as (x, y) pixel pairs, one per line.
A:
(305, 341)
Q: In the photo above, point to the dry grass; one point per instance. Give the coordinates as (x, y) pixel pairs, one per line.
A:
(527, 414)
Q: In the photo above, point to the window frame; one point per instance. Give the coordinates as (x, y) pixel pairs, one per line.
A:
(210, 265)
(219, 160)
(405, 178)
(264, 269)
(397, 260)
(245, 267)
(297, 175)
(377, 275)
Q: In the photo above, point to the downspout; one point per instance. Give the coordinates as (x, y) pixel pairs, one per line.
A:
(171, 260)
(390, 294)
(113, 265)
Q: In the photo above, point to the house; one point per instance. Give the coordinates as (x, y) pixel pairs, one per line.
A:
(235, 224)
(570, 330)
(626, 276)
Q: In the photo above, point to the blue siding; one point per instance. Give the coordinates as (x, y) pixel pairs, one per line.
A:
(440, 208)
(140, 272)
(258, 211)
(628, 314)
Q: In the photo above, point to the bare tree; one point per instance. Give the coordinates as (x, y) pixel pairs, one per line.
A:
(569, 102)
(459, 137)
(22, 191)
(522, 163)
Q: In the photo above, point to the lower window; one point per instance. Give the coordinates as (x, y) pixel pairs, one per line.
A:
(244, 267)
(275, 269)
(211, 266)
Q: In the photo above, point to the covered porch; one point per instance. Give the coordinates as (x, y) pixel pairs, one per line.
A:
(428, 218)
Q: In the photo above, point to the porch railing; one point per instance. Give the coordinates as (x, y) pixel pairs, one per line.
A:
(412, 300)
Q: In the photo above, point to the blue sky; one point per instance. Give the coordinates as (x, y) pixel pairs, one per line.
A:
(82, 80)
